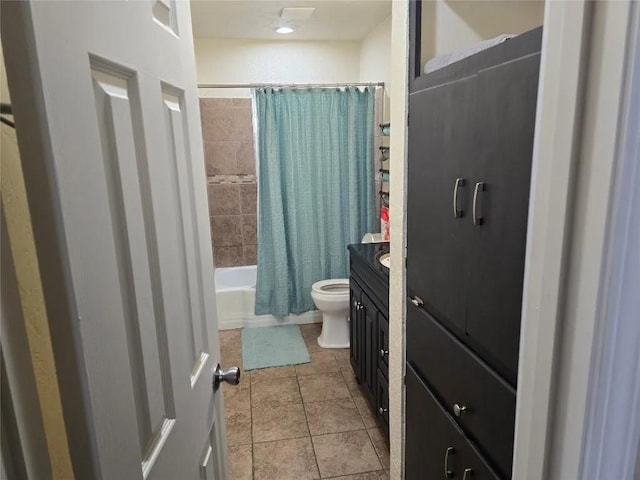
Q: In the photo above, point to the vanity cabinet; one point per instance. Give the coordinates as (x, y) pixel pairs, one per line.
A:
(369, 326)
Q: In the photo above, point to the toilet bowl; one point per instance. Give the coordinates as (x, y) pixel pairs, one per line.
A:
(332, 299)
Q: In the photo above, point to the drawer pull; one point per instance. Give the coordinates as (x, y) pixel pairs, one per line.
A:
(384, 353)
(477, 217)
(457, 213)
(417, 301)
(468, 473)
(459, 410)
(382, 411)
(447, 472)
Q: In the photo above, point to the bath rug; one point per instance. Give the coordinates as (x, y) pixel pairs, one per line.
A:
(264, 347)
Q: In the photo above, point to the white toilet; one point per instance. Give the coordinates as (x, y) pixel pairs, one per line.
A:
(332, 299)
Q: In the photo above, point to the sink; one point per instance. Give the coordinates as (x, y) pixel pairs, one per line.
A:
(385, 260)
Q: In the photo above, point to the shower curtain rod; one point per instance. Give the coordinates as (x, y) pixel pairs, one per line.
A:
(289, 85)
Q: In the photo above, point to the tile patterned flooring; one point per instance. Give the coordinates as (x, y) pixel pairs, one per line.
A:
(304, 422)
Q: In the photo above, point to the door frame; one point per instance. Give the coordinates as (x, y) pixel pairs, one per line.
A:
(616, 347)
(577, 217)
(603, 347)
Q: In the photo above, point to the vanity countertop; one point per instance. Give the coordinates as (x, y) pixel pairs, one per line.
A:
(369, 253)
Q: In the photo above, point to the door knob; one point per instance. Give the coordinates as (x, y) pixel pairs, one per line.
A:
(382, 411)
(230, 376)
(383, 353)
(459, 410)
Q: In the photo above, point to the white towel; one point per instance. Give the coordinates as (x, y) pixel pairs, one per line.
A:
(445, 59)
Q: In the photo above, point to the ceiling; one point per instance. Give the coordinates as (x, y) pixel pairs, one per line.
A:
(257, 19)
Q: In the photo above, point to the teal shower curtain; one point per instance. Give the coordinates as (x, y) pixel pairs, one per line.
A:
(315, 189)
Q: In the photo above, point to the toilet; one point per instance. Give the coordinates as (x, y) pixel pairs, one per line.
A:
(332, 299)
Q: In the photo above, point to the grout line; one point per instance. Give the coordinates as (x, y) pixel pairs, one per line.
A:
(253, 462)
(354, 474)
(282, 439)
(373, 444)
(313, 447)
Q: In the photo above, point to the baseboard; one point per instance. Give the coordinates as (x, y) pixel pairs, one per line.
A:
(232, 322)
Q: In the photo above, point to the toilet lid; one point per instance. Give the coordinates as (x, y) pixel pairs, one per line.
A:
(334, 286)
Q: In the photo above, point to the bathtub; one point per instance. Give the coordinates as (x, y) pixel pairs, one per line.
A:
(236, 299)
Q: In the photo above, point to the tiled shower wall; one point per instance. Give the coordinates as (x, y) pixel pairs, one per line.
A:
(227, 132)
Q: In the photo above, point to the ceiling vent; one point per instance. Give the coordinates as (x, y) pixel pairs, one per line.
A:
(296, 14)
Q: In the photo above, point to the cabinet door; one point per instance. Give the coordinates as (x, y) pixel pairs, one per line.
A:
(440, 152)
(505, 120)
(382, 402)
(355, 329)
(435, 447)
(370, 353)
(382, 346)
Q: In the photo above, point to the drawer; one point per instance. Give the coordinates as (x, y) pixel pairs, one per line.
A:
(377, 288)
(435, 446)
(459, 377)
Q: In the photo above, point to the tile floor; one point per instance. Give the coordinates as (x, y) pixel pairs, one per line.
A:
(304, 422)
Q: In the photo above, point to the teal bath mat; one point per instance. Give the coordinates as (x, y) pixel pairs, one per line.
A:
(264, 347)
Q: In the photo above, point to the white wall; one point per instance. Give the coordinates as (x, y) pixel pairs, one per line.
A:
(448, 26)
(268, 61)
(375, 58)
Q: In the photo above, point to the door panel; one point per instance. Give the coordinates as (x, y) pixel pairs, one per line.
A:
(440, 151)
(145, 325)
(505, 120)
(118, 116)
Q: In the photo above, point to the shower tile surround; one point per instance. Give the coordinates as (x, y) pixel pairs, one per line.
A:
(227, 133)
(304, 422)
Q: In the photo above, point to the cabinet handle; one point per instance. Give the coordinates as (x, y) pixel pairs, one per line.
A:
(381, 410)
(468, 473)
(459, 183)
(384, 353)
(417, 301)
(448, 473)
(477, 219)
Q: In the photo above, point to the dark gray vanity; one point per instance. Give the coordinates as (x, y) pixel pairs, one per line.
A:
(369, 325)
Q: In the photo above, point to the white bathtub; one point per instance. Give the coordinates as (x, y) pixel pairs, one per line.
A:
(236, 298)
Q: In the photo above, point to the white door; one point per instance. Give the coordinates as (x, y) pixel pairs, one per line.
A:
(112, 101)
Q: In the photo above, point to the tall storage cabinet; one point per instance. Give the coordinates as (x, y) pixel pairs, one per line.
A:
(470, 145)
(471, 128)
